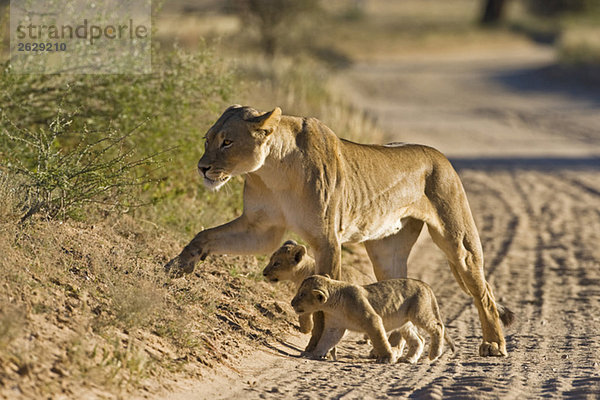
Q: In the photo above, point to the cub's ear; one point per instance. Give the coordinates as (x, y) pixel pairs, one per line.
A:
(327, 276)
(290, 242)
(320, 295)
(300, 252)
(267, 122)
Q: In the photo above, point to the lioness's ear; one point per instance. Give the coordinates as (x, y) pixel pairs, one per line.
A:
(300, 252)
(320, 295)
(233, 107)
(268, 122)
(327, 276)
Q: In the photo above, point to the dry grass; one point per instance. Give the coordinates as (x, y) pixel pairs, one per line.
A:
(579, 43)
(88, 308)
(304, 87)
(580, 46)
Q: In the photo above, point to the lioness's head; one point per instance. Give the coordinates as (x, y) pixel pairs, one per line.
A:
(284, 262)
(236, 144)
(312, 294)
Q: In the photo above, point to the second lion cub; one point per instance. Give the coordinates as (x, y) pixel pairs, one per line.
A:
(291, 262)
(373, 309)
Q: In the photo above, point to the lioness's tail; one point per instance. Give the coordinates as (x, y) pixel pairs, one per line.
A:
(506, 316)
(449, 340)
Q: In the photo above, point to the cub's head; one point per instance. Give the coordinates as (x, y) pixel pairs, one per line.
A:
(285, 262)
(312, 294)
(236, 144)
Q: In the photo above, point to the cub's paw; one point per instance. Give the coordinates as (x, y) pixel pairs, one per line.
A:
(413, 359)
(373, 353)
(434, 358)
(492, 349)
(388, 358)
(306, 323)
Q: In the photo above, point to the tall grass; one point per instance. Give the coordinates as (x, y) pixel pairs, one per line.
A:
(58, 180)
(94, 138)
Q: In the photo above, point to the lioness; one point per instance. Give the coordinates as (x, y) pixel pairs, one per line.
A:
(373, 309)
(300, 176)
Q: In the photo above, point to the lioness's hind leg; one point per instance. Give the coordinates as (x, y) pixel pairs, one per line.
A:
(458, 239)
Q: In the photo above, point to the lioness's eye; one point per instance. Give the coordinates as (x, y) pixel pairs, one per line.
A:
(226, 143)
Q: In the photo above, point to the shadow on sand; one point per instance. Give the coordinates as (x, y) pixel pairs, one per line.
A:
(577, 82)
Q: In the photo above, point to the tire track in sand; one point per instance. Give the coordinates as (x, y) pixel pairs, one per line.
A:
(538, 270)
(563, 318)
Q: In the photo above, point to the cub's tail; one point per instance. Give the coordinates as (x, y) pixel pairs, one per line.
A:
(506, 316)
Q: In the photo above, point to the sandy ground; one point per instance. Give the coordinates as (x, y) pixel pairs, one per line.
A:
(526, 143)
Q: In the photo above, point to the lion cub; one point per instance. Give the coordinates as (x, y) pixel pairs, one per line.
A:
(292, 263)
(373, 309)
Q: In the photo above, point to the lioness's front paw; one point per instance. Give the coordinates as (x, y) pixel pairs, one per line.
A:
(310, 347)
(177, 267)
(487, 349)
(313, 356)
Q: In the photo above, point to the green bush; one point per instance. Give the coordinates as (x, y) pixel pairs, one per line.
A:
(57, 180)
(91, 138)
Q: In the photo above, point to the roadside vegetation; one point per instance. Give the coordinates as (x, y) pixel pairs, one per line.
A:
(98, 190)
(572, 27)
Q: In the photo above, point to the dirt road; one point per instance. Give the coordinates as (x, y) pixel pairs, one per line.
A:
(526, 143)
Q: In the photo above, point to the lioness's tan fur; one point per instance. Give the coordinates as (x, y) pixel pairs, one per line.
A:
(300, 176)
(373, 309)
